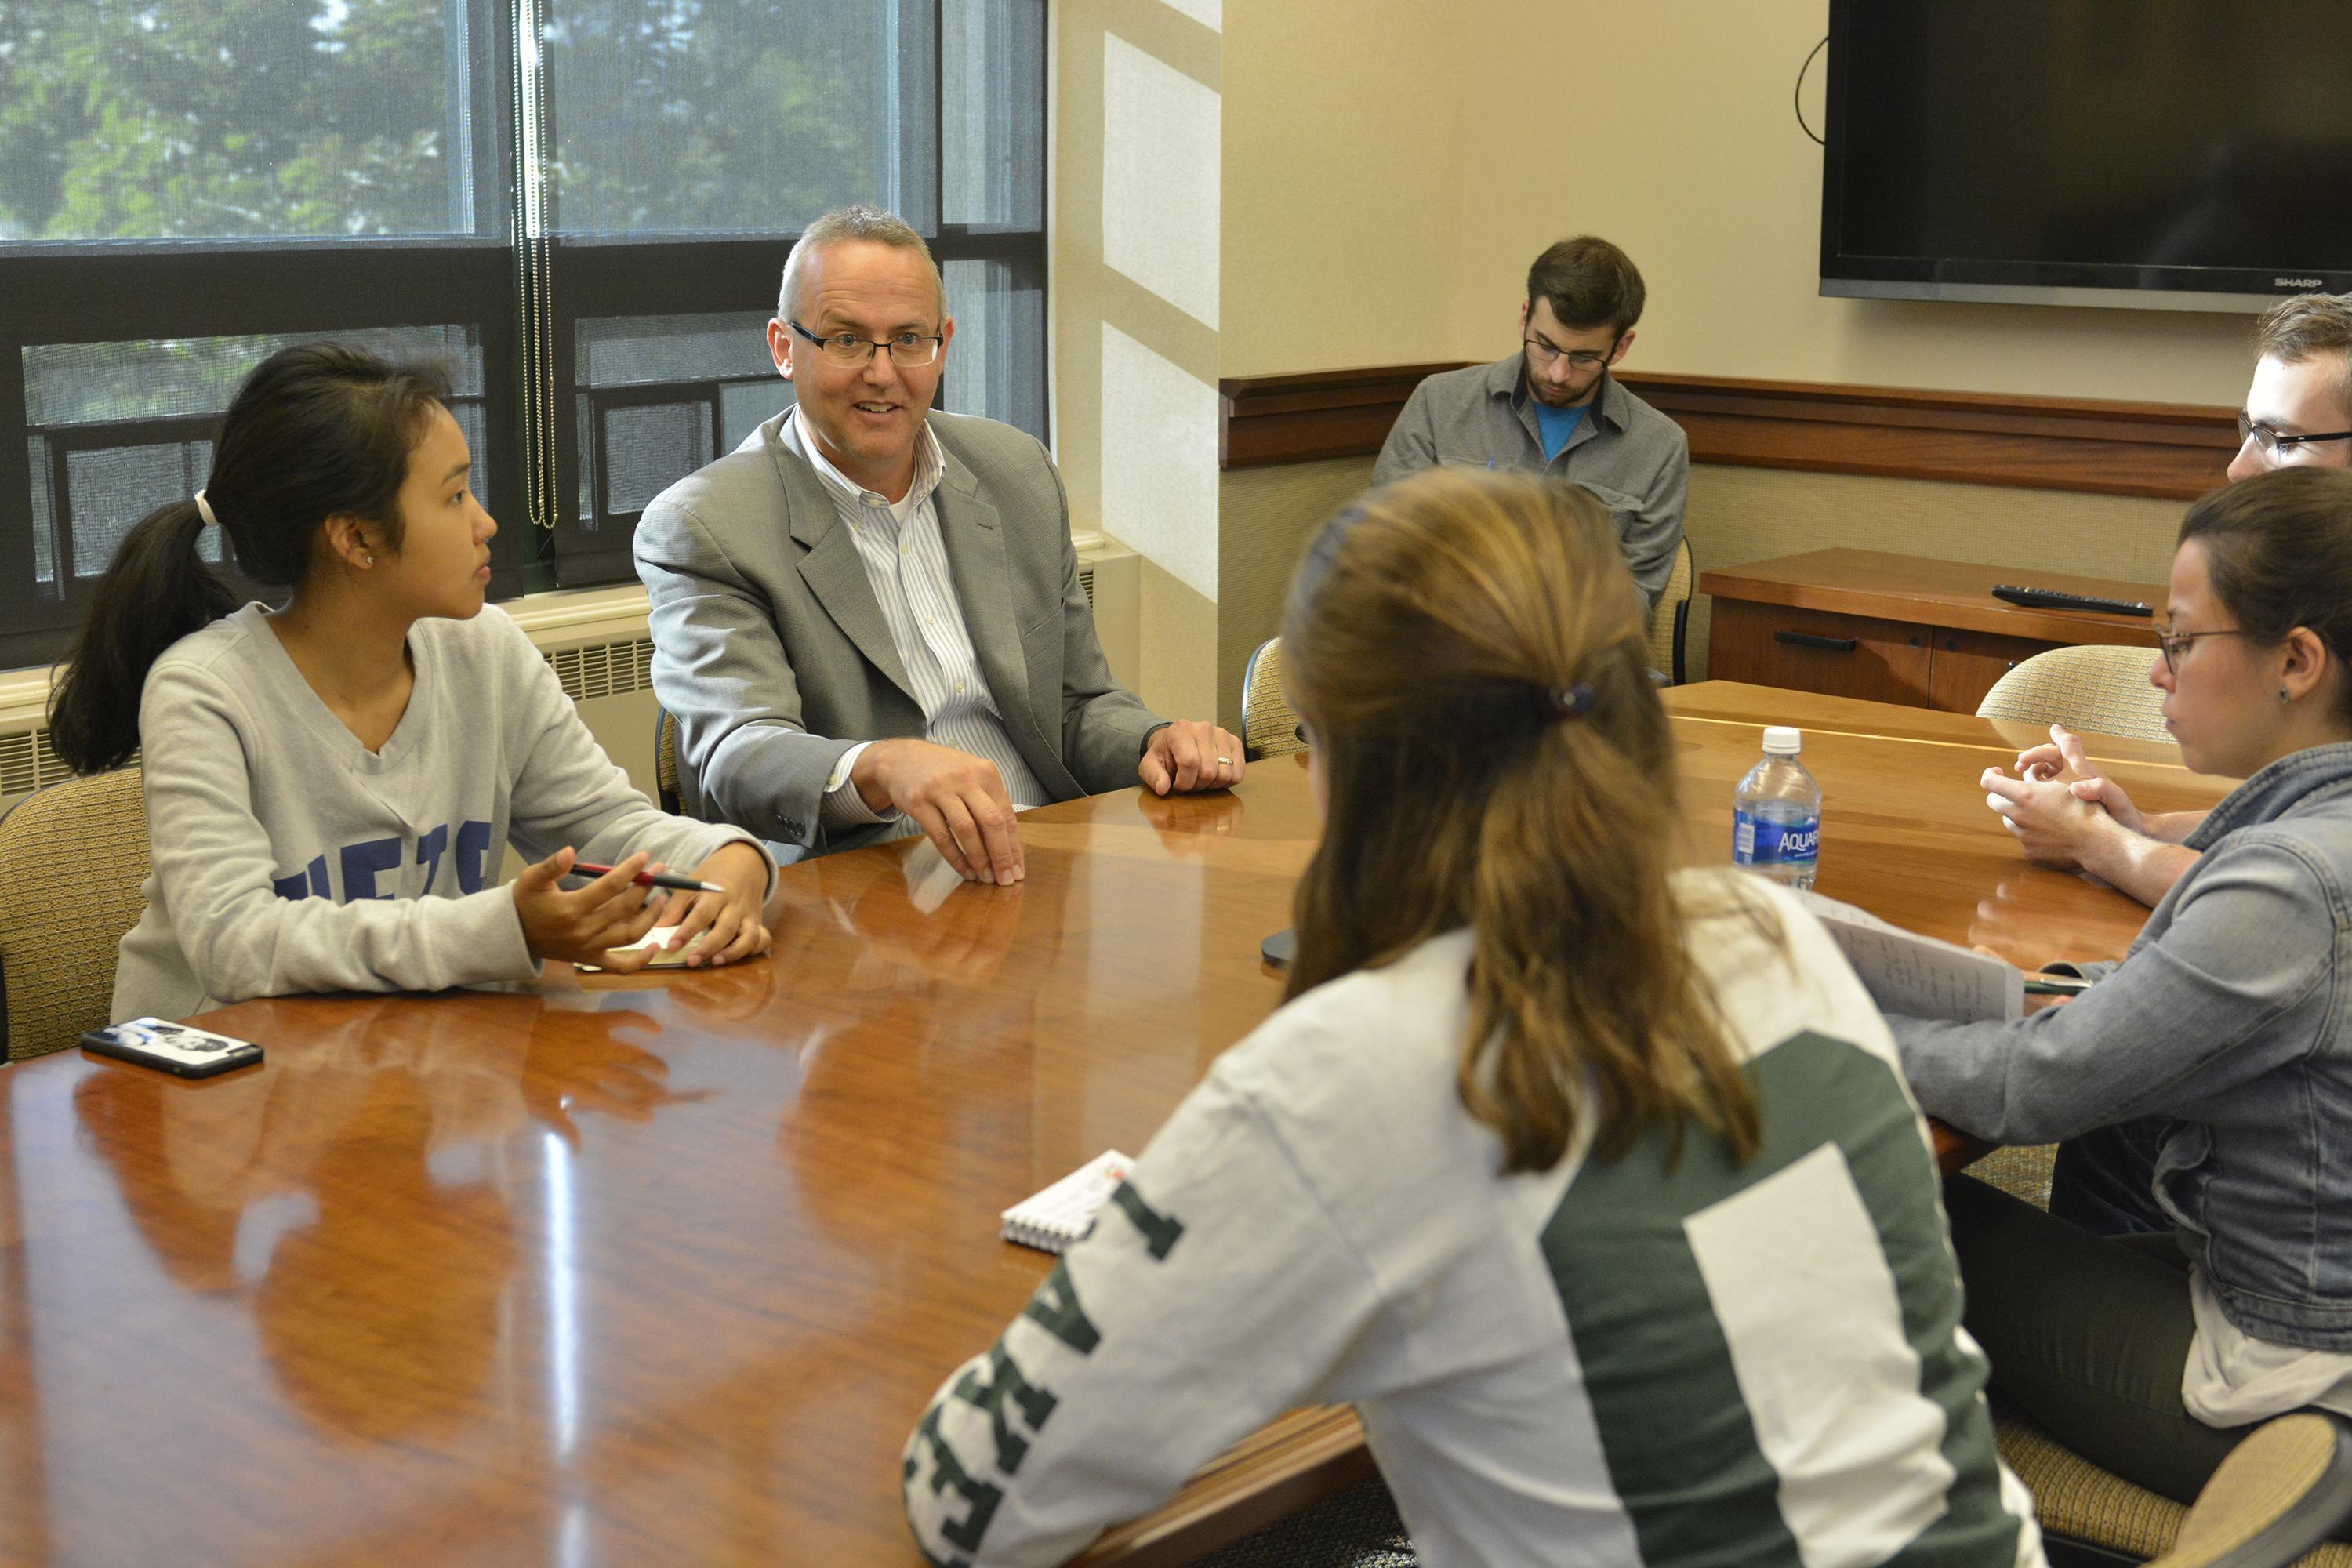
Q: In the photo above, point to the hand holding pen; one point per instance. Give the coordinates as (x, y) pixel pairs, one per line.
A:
(585, 925)
(590, 924)
(648, 878)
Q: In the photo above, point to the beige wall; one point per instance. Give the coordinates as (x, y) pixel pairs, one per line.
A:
(1265, 517)
(1343, 188)
(1437, 148)
(1134, 300)
(1694, 164)
(1389, 167)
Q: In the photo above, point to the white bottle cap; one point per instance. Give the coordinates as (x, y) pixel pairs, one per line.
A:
(1781, 740)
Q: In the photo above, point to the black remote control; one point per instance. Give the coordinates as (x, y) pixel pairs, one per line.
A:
(2052, 599)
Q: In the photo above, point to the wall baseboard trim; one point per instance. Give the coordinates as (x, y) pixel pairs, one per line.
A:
(2166, 450)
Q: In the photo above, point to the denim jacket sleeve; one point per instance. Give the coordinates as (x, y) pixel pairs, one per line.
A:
(2231, 980)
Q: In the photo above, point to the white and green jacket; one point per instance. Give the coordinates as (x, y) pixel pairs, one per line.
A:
(1642, 1363)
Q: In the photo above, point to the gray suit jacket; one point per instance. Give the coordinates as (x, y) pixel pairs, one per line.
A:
(771, 651)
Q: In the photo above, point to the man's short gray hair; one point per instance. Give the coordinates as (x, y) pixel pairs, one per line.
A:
(844, 224)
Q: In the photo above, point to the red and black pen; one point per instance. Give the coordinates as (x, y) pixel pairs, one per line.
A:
(647, 879)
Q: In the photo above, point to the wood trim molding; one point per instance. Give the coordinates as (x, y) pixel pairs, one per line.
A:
(1265, 419)
(2168, 450)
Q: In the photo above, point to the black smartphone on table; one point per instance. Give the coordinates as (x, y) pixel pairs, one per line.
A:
(180, 1049)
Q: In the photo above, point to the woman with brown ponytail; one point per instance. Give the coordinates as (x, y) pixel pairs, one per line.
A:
(1592, 1183)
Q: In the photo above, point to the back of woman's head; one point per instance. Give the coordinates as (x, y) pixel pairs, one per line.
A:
(2278, 550)
(316, 431)
(1468, 652)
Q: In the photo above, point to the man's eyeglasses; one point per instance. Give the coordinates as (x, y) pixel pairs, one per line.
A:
(2269, 441)
(2173, 643)
(1543, 352)
(908, 349)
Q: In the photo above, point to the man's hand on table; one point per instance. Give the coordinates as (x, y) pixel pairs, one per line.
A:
(1188, 755)
(957, 799)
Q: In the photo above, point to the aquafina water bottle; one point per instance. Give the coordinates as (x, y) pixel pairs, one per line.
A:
(1776, 815)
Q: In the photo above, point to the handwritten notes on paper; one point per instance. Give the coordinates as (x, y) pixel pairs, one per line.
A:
(1920, 976)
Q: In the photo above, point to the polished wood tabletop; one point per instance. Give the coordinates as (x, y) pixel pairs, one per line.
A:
(660, 1270)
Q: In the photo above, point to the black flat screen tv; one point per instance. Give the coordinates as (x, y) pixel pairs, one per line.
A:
(2182, 154)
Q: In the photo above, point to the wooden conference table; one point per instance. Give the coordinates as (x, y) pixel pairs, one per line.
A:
(660, 1270)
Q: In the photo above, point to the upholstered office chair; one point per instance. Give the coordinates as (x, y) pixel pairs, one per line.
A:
(73, 859)
(1357, 1529)
(2284, 1489)
(1269, 728)
(1669, 616)
(2079, 1503)
(2095, 687)
(665, 759)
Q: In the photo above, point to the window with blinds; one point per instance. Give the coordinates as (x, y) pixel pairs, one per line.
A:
(581, 207)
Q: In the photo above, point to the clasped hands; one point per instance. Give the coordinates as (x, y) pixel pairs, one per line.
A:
(2061, 807)
(959, 799)
(584, 925)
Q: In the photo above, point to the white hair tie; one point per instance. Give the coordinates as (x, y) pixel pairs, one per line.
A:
(205, 510)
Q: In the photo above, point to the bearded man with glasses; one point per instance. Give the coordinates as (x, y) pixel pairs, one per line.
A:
(867, 618)
(1552, 407)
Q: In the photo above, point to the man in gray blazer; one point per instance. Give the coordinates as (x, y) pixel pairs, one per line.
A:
(867, 618)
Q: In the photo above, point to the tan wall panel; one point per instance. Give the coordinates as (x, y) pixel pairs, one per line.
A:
(1268, 515)
(1116, 453)
(1343, 193)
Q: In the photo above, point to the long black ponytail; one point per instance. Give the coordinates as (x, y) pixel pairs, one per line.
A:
(317, 431)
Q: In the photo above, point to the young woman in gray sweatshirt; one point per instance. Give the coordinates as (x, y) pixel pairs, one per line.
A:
(329, 785)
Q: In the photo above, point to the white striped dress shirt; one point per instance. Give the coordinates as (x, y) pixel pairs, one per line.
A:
(907, 564)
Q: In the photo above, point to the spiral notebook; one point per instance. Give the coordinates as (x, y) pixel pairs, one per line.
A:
(1053, 1219)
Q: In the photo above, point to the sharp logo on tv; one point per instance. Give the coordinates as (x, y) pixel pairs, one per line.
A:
(2296, 282)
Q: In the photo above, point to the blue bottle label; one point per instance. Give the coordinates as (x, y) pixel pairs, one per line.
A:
(1758, 841)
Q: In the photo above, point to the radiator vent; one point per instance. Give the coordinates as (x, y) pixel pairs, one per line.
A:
(27, 763)
(606, 669)
(1086, 581)
(600, 670)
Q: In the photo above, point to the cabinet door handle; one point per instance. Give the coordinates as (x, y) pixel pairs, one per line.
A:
(1807, 639)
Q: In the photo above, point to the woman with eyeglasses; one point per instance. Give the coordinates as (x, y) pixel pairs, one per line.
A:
(2213, 1067)
(1593, 1185)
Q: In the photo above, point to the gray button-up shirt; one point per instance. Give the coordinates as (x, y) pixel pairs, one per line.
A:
(1624, 451)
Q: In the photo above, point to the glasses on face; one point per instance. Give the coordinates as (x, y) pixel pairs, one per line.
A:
(2268, 441)
(1543, 352)
(2174, 643)
(908, 349)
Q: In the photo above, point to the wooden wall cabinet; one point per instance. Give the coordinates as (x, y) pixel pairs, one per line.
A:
(1896, 629)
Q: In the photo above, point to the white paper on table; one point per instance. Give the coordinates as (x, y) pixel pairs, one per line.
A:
(654, 937)
(1920, 976)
